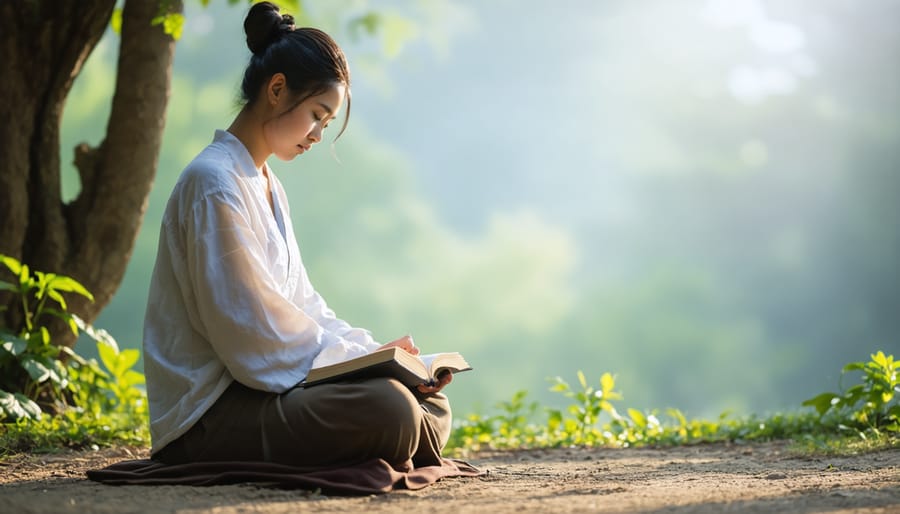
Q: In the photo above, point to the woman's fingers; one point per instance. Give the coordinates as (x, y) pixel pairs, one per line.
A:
(445, 378)
(405, 343)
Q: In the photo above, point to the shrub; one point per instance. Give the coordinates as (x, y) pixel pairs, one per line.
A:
(85, 402)
(871, 406)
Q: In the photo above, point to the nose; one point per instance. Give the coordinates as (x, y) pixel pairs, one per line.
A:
(316, 135)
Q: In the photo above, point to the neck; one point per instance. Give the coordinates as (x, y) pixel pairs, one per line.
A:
(247, 127)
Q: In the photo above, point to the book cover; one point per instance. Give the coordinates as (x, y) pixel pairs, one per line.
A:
(409, 369)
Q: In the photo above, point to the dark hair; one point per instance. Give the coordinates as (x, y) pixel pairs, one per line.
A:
(309, 59)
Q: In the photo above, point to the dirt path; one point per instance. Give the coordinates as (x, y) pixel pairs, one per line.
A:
(707, 478)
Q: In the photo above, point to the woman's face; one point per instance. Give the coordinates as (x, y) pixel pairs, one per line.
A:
(294, 128)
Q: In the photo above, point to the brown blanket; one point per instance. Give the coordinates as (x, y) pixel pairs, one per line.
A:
(375, 476)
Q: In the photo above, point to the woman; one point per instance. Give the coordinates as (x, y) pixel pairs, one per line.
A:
(233, 323)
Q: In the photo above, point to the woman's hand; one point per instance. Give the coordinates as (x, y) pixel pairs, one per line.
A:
(404, 343)
(445, 378)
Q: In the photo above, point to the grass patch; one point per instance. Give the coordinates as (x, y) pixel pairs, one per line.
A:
(809, 445)
(51, 397)
(864, 417)
(73, 430)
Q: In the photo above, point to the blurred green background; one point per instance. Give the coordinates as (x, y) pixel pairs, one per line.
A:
(698, 196)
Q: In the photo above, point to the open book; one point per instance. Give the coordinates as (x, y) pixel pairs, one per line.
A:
(410, 369)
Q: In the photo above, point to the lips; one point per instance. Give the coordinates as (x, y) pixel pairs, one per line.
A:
(303, 148)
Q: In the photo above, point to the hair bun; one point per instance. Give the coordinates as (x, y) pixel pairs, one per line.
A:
(264, 25)
(287, 23)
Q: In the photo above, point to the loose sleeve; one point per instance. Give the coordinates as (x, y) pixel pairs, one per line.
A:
(265, 340)
(317, 309)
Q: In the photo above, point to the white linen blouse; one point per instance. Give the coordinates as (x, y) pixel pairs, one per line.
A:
(229, 296)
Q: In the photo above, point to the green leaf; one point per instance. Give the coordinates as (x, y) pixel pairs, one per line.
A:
(9, 406)
(607, 382)
(879, 359)
(132, 378)
(894, 412)
(58, 298)
(582, 380)
(109, 357)
(115, 22)
(822, 403)
(678, 416)
(554, 420)
(43, 278)
(70, 353)
(638, 417)
(37, 370)
(70, 285)
(13, 345)
(12, 264)
(6, 286)
(854, 394)
(24, 277)
(613, 395)
(44, 336)
(173, 24)
(65, 316)
(128, 358)
(558, 384)
(31, 409)
(290, 7)
(61, 373)
(854, 366)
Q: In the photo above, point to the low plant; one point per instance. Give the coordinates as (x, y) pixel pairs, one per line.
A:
(511, 428)
(32, 376)
(870, 407)
(52, 396)
(589, 403)
(868, 410)
(593, 419)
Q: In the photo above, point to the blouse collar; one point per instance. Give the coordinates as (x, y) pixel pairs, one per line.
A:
(238, 151)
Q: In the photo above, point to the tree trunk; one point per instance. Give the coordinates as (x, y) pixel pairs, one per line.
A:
(42, 47)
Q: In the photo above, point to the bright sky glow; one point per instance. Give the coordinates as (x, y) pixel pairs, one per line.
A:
(753, 83)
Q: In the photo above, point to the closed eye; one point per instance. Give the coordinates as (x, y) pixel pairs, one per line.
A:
(329, 114)
(319, 117)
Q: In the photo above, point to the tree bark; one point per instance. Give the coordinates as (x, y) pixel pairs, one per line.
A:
(43, 46)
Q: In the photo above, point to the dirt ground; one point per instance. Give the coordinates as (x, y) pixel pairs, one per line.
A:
(696, 479)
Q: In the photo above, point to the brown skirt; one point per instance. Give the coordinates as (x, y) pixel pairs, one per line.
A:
(328, 425)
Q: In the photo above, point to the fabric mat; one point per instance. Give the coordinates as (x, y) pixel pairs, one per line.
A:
(375, 476)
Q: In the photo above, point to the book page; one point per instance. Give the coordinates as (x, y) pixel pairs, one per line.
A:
(452, 361)
(428, 359)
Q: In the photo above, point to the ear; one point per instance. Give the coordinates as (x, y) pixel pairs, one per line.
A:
(276, 88)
